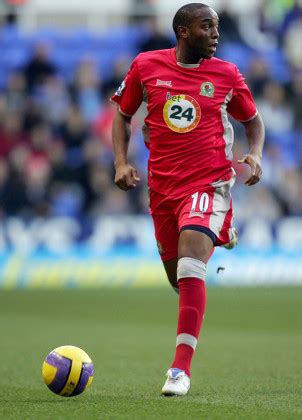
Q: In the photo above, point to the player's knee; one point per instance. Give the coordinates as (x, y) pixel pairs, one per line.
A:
(191, 267)
(195, 244)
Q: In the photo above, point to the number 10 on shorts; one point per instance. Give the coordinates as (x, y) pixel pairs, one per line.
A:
(200, 202)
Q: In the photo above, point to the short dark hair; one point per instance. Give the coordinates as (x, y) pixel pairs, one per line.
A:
(185, 15)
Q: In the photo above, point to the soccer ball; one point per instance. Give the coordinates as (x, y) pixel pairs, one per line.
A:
(67, 371)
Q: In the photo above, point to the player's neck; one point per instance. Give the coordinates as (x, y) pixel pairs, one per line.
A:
(186, 56)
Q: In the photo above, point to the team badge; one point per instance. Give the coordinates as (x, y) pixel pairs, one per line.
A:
(181, 113)
(207, 89)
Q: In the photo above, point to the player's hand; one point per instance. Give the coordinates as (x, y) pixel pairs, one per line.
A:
(126, 177)
(254, 162)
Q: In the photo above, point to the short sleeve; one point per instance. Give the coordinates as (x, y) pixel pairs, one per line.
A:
(242, 106)
(129, 95)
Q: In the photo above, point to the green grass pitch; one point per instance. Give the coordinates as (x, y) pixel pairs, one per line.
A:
(248, 363)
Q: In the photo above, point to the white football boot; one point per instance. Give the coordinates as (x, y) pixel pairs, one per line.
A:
(177, 383)
(234, 239)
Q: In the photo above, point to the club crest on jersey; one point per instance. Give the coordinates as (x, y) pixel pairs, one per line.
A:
(120, 89)
(207, 89)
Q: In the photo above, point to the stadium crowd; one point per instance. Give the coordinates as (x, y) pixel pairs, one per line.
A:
(55, 132)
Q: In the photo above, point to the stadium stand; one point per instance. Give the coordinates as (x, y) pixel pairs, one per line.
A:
(83, 64)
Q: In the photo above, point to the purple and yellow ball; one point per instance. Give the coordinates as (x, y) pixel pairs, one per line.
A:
(67, 371)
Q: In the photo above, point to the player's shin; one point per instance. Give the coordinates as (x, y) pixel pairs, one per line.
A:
(192, 301)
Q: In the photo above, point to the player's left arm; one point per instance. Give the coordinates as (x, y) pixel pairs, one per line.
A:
(255, 134)
(242, 107)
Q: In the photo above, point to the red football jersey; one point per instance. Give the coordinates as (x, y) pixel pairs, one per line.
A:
(187, 128)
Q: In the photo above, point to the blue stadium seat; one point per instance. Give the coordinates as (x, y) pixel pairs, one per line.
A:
(236, 53)
(48, 35)
(69, 47)
(277, 64)
(14, 57)
(12, 36)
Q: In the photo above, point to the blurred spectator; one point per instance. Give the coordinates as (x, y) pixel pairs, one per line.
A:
(292, 44)
(57, 159)
(258, 75)
(276, 112)
(86, 89)
(112, 201)
(272, 14)
(39, 67)
(102, 126)
(295, 92)
(74, 133)
(119, 70)
(37, 168)
(74, 130)
(16, 97)
(140, 9)
(11, 18)
(13, 197)
(291, 191)
(269, 209)
(100, 182)
(66, 200)
(54, 101)
(11, 133)
(293, 14)
(228, 26)
(156, 40)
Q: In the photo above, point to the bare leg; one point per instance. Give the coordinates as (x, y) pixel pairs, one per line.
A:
(171, 270)
(195, 244)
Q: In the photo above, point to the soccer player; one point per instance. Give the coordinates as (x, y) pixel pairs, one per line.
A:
(189, 95)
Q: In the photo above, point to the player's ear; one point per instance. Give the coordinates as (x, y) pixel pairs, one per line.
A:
(183, 31)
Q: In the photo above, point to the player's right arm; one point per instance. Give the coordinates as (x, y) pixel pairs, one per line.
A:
(126, 176)
(128, 98)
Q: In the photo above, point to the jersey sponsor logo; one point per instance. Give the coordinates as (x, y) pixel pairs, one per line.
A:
(163, 83)
(119, 92)
(181, 113)
(207, 89)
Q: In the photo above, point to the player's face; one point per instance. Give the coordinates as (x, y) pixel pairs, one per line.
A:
(202, 35)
